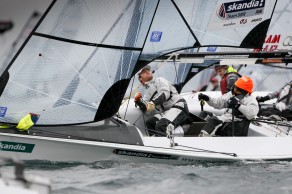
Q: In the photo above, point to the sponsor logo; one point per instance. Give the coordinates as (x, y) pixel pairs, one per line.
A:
(271, 43)
(16, 147)
(273, 39)
(257, 20)
(243, 21)
(229, 24)
(3, 111)
(155, 36)
(287, 41)
(144, 154)
(212, 48)
(237, 9)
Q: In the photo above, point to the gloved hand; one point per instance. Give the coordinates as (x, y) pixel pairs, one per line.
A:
(141, 104)
(137, 96)
(150, 106)
(281, 106)
(262, 98)
(203, 97)
(233, 102)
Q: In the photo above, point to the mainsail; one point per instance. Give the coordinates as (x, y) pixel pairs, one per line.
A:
(77, 63)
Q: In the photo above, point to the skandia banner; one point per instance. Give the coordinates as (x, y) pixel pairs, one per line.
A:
(241, 9)
(239, 13)
(16, 147)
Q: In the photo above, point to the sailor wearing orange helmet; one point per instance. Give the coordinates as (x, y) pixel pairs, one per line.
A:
(245, 108)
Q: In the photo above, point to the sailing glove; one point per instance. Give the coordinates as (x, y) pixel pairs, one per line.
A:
(281, 106)
(138, 96)
(262, 98)
(203, 97)
(233, 102)
(141, 104)
(150, 106)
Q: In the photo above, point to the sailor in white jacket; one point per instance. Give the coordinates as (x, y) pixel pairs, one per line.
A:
(244, 106)
(162, 96)
(283, 106)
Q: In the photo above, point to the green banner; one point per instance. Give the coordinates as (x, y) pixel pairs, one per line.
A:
(16, 147)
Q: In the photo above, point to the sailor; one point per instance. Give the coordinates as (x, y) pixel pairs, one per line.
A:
(241, 107)
(162, 96)
(213, 87)
(228, 77)
(283, 105)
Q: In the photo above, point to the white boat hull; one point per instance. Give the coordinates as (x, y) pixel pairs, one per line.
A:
(155, 149)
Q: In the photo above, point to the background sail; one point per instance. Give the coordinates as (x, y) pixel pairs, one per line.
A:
(183, 23)
(31, 22)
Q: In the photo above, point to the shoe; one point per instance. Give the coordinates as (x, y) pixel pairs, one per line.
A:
(204, 133)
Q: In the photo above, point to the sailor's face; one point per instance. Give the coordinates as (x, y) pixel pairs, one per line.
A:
(237, 91)
(221, 72)
(145, 77)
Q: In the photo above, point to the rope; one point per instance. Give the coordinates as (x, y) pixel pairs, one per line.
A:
(264, 79)
(198, 149)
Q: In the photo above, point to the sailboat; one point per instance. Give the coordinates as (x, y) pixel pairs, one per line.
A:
(74, 69)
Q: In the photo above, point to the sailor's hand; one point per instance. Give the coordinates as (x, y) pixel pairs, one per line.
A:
(150, 106)
(262, 98)
(280, 106)
(233, 102)
(203, 97)
(137, 96)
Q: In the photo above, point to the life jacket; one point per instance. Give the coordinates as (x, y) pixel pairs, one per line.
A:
(224, 80)
(153, 93)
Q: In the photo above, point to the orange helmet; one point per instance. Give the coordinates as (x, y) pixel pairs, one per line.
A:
(245, 83)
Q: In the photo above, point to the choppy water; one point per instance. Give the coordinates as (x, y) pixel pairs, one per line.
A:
(113, 177)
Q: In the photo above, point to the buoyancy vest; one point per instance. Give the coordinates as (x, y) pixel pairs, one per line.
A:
(224, 81)
(156, 87)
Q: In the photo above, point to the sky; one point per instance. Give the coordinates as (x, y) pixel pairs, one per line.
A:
(18, 11)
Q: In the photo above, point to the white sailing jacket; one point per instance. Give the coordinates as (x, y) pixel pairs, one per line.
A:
(284, 97)
(162, 93)
(249, 106)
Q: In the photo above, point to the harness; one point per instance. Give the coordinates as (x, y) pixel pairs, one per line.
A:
(179, 107)
(170, 96)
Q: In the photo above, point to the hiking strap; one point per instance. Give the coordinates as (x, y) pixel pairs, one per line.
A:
(179, 107)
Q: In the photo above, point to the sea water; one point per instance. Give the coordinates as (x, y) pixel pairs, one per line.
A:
(114, 177)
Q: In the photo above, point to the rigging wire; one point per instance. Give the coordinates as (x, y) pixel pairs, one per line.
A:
(208, 151)
(264, 79)
(129, 98)
(175, 59)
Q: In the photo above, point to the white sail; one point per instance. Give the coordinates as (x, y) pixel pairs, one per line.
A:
(76, 65)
